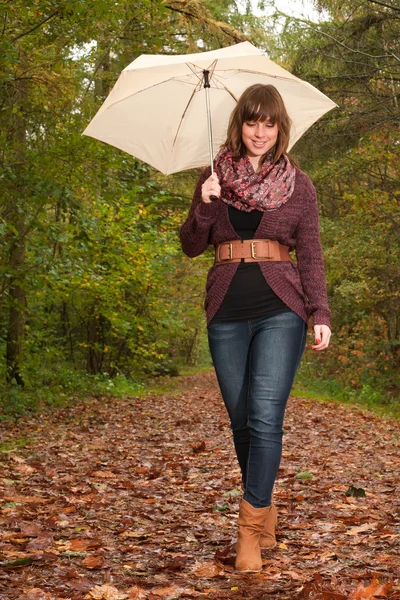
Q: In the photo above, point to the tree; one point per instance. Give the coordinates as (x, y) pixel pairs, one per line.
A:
(352, 155)
(81, 279)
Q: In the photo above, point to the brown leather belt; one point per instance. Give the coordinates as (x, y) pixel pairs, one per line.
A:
(250, 251)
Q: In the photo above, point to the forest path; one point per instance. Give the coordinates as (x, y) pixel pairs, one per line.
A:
(138, 499)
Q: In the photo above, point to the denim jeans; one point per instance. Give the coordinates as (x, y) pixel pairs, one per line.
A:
(256, 361)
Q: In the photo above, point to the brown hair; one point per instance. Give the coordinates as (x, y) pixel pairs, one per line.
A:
(258, 103)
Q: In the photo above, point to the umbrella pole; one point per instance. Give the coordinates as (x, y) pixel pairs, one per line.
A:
(208, 109)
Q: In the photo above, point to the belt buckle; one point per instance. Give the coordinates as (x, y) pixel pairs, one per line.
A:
(253, 250)
(230, 249)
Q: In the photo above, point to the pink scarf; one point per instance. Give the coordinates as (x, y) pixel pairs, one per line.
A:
(247, 190)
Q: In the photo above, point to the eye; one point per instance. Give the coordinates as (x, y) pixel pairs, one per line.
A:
(250, 123)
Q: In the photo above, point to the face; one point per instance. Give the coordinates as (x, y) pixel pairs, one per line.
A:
(258, 137)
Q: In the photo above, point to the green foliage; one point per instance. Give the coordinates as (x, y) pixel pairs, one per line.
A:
(58, 385)
(94, 291)
(95, 294)
(222, 507)
(304, 475)
(355, 492)
(352, 157)
(313, 382)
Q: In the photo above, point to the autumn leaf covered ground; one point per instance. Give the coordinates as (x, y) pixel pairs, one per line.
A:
(117, 499)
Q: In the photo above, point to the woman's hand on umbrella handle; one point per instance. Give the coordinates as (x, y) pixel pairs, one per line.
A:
(322, 336)
(210, 190)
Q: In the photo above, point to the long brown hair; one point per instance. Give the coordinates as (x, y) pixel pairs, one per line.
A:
(258, 103)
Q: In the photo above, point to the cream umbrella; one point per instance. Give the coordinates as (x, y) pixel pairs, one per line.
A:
(157, 109)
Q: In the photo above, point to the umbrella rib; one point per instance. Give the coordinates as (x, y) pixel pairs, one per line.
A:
(149, 87)
(195, 73)
(294, 78)
(183, 115)
(225, 88)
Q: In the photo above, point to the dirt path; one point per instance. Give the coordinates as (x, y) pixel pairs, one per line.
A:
(138, 499)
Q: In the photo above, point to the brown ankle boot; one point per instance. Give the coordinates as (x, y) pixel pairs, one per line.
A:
(251, 526)
(267, 539)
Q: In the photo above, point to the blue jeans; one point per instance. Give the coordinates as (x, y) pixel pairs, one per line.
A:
(256, 361)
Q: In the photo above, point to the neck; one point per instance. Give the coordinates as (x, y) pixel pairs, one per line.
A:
(255, 163)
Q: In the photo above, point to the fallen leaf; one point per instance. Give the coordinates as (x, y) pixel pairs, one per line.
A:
(18, 459)
(37, 594)
(282, 546)
(80, 585)
(226, 555)
(294, 575)
(369, 593)
(69, 509)
(317, 589)
(30, 530)
(361, 528)
(136, 593)
(141, 470)
(199, 447)
(136, 534)
(103, 474)
(169, 593)
(25, 469)
(40, 543)
(80, 545)
(93, 562)
(207, 569)
(105, 592)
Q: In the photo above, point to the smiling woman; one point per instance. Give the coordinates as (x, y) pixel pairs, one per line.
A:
(257, 299)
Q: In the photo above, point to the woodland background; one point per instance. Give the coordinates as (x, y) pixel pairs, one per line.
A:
(88, 302)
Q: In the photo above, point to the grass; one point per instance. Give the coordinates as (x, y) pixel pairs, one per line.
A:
(65, 387)
(324, 391)
(10, 445)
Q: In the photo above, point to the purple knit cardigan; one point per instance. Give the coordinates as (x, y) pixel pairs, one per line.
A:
(301, 286)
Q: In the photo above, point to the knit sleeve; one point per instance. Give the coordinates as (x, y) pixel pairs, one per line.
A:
(195, 231)
(310, 260)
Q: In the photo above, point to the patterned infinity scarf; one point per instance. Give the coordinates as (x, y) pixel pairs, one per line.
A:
(247, 190)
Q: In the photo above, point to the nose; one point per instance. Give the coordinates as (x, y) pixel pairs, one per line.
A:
(259, 130)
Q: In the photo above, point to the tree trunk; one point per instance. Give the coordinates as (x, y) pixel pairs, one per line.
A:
(17, 304)
(17, 252)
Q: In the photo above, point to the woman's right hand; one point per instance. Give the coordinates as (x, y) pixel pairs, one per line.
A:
(210, 188)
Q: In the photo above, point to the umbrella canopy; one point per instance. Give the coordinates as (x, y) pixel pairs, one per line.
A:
(157, 108)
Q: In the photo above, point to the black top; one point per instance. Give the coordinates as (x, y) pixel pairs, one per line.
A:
(249, 295)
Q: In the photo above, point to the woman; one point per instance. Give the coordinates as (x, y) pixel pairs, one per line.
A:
(258, 300)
